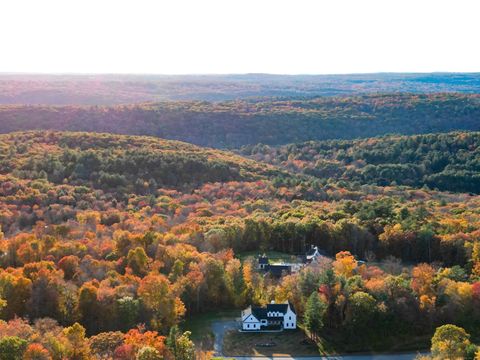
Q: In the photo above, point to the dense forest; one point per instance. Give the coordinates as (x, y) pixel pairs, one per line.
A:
(126, 165)
(233, 124)
(443, 161)
(65, 89)
(109, 242)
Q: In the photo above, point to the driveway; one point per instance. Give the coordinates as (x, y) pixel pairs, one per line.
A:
(219, 328)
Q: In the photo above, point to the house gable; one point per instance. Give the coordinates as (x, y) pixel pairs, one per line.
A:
(251, 319)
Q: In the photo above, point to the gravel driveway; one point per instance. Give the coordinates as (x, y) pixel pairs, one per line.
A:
(219, 328)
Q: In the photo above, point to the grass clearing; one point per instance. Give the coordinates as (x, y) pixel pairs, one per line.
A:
(273, 256)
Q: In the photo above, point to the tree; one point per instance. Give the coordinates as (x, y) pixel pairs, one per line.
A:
(69, 265)
(171, 340)
(137, 260)
(180, 345)
(36, 352)
(344, 264)
(314, 313)
(138, 339)
(88, 306)
(79, 349)
(216, 240)
(185, 347)
(3, 304)
(104, 344)
(128, 310)
(422, 279)
(12, 348)
(361, 310)
(16, 291)
(156, 293)
(149, 353)
(450, 342)
(234, 281)
(177, 270)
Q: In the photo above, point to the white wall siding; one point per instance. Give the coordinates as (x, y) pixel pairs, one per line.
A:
(251, 323)
(289, 320)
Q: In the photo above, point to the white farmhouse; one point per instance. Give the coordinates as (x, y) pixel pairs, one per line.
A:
(272, 317)
(312, 254)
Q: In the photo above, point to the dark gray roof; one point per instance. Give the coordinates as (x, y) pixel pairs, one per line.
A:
(277, 307)
(278, 270)
(259, 313)
(263, 260)
(292, 308)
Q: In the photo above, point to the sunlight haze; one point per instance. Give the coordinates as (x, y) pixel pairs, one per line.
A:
(291, 37)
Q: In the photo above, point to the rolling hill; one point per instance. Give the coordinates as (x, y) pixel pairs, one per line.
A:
(444, 161)
(120, 163)
(233, 124)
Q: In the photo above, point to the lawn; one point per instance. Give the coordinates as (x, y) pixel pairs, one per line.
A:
(273, 256)
(289, 342)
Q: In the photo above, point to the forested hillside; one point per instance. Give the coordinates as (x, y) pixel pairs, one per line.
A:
(444, 161)
(109, 242)
(120, 164)
(236, 123)
(69, 89)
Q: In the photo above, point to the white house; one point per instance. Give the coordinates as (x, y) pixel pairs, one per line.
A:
(272, 317)
(262, 262)
(312, 254)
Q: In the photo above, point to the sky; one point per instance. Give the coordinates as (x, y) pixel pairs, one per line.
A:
(239, 36)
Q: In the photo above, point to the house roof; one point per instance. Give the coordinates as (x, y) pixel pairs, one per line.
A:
(277, 308)
(277, 270)
(246, 312)
(263, 259)
(261, 312)
(292, 308)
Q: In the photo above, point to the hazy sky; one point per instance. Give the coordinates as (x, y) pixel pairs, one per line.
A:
(239, 36)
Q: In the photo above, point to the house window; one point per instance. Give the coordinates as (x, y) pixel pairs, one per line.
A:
(248, 326)
(289, 318)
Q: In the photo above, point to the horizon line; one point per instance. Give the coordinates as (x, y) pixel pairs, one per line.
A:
(2, 73)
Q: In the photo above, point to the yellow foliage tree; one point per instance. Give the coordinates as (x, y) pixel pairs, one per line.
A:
(345, 264)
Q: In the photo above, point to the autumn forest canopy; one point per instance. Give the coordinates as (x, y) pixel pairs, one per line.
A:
(232, 124)
(122, 221)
